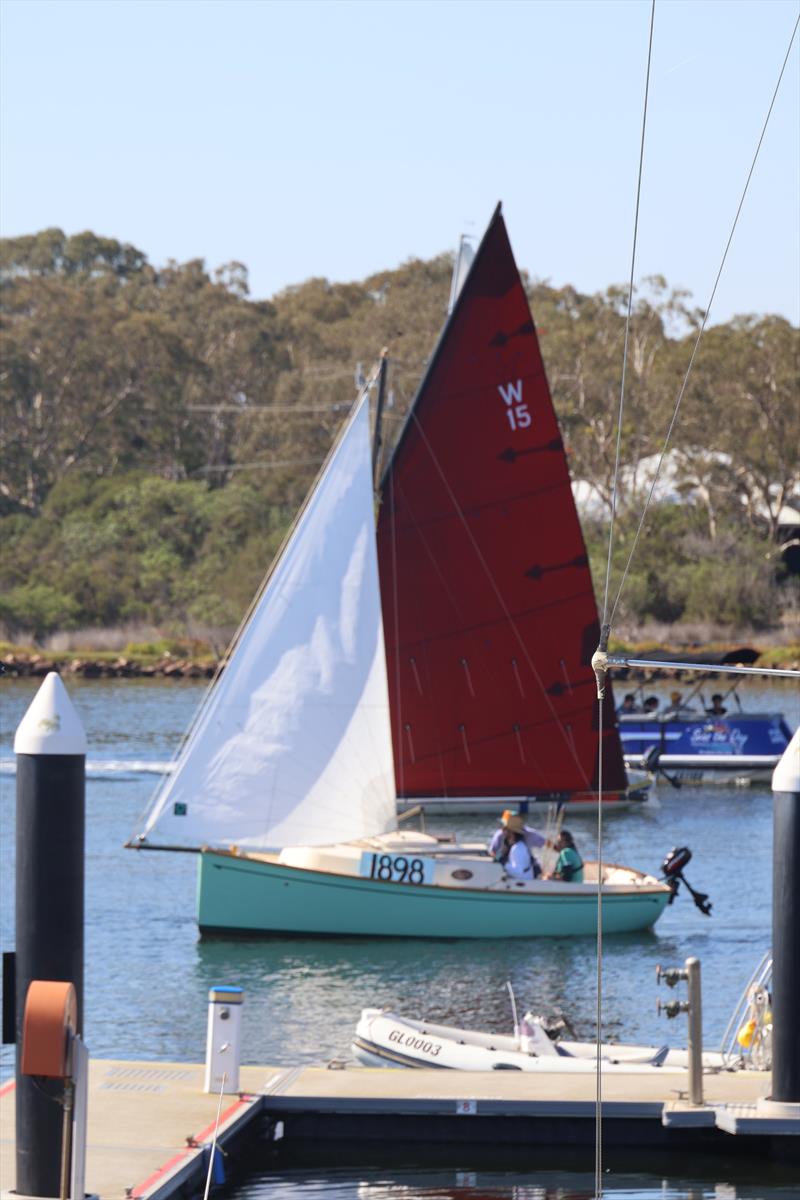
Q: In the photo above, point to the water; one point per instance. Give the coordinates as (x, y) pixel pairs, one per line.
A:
(148, 975)
(448, 1184)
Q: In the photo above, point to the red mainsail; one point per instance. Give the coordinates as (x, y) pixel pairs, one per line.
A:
(489, 616)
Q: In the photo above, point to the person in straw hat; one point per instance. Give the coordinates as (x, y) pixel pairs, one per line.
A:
(509, 846)
(533, 839)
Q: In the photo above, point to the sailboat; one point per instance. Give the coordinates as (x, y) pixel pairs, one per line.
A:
(285, 785)
(488, 607)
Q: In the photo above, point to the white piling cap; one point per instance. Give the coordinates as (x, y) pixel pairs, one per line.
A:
(786, 776)
(51, 725)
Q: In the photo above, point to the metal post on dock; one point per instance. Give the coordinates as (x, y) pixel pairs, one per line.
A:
(695, 1042)
(693, 1007)
(50, 746)
(786, 926)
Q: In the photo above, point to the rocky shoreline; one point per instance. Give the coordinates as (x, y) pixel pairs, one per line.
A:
(18, 664)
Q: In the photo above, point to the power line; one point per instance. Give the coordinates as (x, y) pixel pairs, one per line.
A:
(262, 466)
(256, 410)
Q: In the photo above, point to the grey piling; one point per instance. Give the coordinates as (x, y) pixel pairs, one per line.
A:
(50, 746)
(786, 926)
(695, 1042)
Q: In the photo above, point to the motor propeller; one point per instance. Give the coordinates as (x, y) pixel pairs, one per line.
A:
(651, 761)
(672, 871)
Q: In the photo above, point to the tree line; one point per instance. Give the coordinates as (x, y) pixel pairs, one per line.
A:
(159, 429)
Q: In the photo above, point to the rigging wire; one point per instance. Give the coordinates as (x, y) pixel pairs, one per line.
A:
(598, 1125)
(598, 1117)
(701, 331)
(628, 314)
(607, 620)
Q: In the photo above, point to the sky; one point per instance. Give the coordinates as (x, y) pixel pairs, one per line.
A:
(344, 137)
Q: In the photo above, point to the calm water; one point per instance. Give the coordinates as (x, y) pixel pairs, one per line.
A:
(148, 975)
(567, 1184)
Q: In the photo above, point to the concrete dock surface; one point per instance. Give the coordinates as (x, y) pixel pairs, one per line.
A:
(142, 1118)
(150, 1124)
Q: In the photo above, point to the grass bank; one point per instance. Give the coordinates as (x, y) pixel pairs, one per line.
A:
(197, 659)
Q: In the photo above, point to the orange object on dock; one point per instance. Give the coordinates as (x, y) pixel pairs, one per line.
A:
(50, 1021)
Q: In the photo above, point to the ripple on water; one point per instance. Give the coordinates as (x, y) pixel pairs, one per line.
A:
(147, 975)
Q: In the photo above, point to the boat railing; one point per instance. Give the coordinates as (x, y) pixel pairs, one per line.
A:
(747, 1036)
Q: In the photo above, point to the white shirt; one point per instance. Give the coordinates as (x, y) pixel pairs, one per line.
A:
(519, 864)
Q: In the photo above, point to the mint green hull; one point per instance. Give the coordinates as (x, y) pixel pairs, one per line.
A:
(240, 895)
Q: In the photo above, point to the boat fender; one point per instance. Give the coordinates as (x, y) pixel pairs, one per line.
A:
(748, 1030)
(745, 1035)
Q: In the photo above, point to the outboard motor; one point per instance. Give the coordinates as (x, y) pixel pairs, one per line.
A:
(672, 872)
(651, 761)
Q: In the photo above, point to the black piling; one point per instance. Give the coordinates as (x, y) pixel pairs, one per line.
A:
(50, 746)
(786, 926)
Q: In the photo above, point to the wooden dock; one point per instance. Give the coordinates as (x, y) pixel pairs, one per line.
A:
(150, 1124)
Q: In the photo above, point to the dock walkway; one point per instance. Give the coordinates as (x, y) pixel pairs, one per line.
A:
(150, 1124)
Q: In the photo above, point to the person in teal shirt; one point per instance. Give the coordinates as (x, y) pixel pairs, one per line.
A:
(569, 864)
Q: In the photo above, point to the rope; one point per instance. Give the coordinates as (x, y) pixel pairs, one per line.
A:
(703, 325)
(213, 1150)
(598, 1121)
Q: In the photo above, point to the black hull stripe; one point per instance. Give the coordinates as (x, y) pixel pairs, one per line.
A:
(403, 1060)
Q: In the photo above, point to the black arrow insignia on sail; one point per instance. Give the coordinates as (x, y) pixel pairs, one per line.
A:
(511, 455)
(501, 338)
(537, 571)
(558, 688)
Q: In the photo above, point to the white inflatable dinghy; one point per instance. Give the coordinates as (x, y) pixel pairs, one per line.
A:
(383, 1038)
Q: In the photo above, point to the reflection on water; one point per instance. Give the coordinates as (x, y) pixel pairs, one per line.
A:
(448, 1184)
(148, 976)
(307, 995)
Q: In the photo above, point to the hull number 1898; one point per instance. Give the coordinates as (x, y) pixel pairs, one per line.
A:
(396, 868)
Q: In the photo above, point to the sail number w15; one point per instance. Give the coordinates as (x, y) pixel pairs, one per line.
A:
(396, 868)
(517, 412)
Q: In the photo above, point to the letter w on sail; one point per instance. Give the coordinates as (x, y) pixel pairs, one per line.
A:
(517, 413)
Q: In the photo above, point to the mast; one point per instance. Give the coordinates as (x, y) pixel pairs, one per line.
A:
(377, 440)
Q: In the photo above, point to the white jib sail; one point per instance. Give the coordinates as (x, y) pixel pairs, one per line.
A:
(461, 268)
(293, 746)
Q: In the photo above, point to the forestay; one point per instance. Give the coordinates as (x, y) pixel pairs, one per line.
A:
(293, 746)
